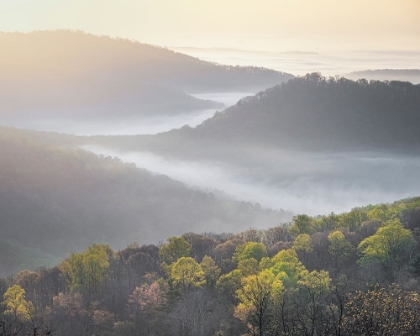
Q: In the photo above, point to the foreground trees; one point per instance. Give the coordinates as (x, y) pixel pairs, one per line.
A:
(249, 284)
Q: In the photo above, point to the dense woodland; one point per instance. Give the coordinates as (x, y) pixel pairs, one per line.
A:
(355, 273)
(60, 200)
(309, 113)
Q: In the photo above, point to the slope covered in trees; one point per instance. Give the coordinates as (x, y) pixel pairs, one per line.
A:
(73, 74)
(311, 113)
(355, 273)
(56, 200)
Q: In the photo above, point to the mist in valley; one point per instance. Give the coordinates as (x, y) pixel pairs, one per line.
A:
(212, 167)
(153, 123)
(311, 183)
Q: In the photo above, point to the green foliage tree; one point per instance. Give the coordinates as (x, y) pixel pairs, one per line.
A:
(248, 266)
(211, 271)
(187, 273)
(227, 286)
(175, 248)
(339, 247)
(287, 265)
(258, 298)
(302, 245)
(390, 246)
(85, 271)
(16, 304)
(250, 250)
(302, 224)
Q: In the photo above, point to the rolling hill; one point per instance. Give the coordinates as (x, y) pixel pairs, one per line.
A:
(311, 113)
(56, 200)
(66, 74)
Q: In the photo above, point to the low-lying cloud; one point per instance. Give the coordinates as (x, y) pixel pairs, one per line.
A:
(300, 182)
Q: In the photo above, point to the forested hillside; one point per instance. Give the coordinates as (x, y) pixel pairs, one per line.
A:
(65, 74)
(307, 113)
(355, 273)
(57, 201)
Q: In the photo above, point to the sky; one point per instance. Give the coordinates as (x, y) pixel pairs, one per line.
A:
(250, 24)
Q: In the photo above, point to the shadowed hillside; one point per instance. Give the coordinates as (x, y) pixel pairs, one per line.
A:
(311, 113)
(58, 201)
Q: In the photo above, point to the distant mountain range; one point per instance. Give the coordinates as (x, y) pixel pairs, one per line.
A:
(73, 74)
(409, 75)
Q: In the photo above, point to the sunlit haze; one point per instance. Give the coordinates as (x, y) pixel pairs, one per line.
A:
(270, 25)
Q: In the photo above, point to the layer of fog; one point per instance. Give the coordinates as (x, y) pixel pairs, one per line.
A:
(126, 125)
(300, 182)
(329, 63)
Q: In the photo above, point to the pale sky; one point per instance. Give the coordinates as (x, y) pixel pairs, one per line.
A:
(392, 24)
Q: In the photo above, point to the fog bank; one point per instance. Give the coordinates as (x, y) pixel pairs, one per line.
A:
(300, 182)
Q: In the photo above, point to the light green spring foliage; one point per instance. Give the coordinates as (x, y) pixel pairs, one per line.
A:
(353, 220)
(248, 266)
(265, 281)
(228, 284)
(339, 247)
(16, 304)
(257, 292)
(315, 282)
(175, 248)
(86, 271)
(260, 294)
(187, 273)
(211, 271)
(265, 263)
(390, 246)
(302, 243)
(250, 250)
(287, 264)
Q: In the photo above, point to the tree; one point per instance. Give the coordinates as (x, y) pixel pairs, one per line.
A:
(211, 271)
(16, 304)
(175, 248)
(287, 265)
(339, 247)
(310, 304)
(390, 246)
(381, 311)
(144, 304)
(70, 316)
(302, 245)
(301, 224)
(250, 250)
(227, 286)
(198, 313)
(86, 271)
(187, 273)
(258, 297)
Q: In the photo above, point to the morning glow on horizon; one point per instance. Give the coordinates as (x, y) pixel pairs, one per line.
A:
(287, 25)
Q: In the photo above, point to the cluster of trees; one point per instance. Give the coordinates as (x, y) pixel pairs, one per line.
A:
(350, 274)
(59, 200)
